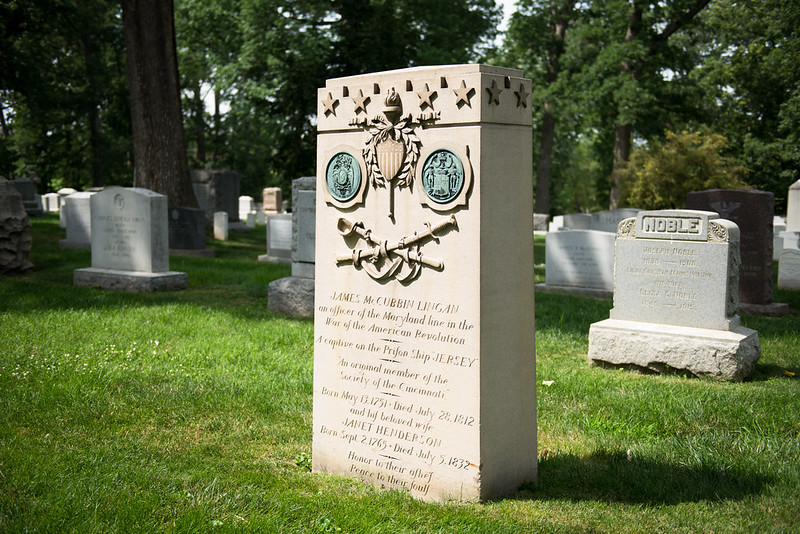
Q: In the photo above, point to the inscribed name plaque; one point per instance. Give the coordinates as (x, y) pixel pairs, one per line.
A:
(676, 279)
(424, 365)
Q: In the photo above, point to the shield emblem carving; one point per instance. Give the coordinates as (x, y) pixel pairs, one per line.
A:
(390, 155)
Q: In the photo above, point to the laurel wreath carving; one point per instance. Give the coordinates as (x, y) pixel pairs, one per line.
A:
(627, 228)
(717, 233)
(379, 131)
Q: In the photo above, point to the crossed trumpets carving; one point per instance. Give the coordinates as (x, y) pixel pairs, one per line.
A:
(383, 260)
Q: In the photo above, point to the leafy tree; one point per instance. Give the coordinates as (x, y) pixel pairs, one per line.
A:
(659, 177)
(63, 92)
(755, 71)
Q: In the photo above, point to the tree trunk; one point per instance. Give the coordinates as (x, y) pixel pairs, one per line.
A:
(199, 125)
(159, 145)
(544, 161)
(561, 12)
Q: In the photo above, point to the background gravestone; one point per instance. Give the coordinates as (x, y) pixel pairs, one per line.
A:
(579, 262)
(272, 200)
(752, 211)
(31, 201)
(77, 215)
(294, 295)
(130, 249)
(789, 260)
(279, 238)
(15, 226)
(424, 364)
(676, 280)
(187, 232)
(217, 190)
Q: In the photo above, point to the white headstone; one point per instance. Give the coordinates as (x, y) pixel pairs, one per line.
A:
(789, 259)
(130, 245)
(77, 214)
(676, 282)
(221, 225)
(51, 202)
(279, 238)
(246, 206)
(580, 259)
(424, 365)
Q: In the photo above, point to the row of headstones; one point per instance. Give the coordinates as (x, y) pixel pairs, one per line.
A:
(582, 261)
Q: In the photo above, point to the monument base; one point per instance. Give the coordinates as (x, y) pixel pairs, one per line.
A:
(719, 354)
(130, 280)
(266, 258)
(292, 296)
(590, 292)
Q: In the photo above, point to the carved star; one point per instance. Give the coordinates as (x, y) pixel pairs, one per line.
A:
(463, 94)
(522, 96)
(494, 93)
(426, 96)
(330, 103)
(361, 101)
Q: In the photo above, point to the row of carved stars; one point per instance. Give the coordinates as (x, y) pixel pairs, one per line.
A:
(427, 97)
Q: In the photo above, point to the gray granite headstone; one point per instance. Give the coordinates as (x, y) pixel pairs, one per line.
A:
(577, 221)
(579, 262)
(187, 232)
(30, 199)
(607, 221)
(752, 211)
(676, 297)
(279, 238)
(294, 295)
(217, 190)
(130, 246)
(77, 214)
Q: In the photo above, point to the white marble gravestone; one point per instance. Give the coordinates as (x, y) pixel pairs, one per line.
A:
(130, 249)
(789, 259)
(676, 280)
(76, 212)
(579, 262)
(221, 225)
(279, 238)
(424, 364)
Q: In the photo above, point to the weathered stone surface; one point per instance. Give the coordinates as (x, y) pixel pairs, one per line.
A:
(130, 280)
(722, 355)
(292, 296)
(676, 297)
(15, 237)
(424, 361)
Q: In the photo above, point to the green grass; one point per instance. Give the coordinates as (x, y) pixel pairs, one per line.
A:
(191, 412)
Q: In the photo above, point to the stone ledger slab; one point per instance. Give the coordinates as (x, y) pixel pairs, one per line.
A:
(424, 360)
(675, 298)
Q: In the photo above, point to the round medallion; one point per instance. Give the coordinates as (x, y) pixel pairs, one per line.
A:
(343, 177)
(442, 176)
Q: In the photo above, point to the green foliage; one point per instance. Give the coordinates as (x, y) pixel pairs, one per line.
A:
(658, 177)
(64, 92)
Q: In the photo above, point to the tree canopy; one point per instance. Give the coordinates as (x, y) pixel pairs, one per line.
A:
(611, 77)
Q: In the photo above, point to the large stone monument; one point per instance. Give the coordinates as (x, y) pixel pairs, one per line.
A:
(752, 211)
(424, 365)
(676, 280)
(15, 226)
(130, 249)
(789, 260)
(294, 295)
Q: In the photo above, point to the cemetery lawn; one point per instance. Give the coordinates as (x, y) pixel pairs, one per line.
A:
(191, 412)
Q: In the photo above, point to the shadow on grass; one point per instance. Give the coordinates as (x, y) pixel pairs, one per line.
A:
(610, 477)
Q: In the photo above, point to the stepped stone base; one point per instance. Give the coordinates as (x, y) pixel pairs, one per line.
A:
(130, 280)
(718, 354)
(292, 296)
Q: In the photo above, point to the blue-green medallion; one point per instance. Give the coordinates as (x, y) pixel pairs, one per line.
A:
(343, 177)
(442, 176)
